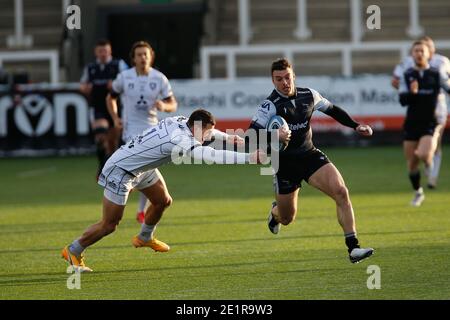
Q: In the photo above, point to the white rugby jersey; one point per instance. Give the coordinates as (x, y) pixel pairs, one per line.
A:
(170, 139)
(437, 61)
(138, 94)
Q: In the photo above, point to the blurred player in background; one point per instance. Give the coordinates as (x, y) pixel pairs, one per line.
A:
(301, 160)
(436, 61)
(419, 89)
(95, 83)
(144, 91)
(135, 165)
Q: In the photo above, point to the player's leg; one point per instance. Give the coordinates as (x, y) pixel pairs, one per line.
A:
(437, 157)
(113, 137)
(100, 128)
(112, 214)
(283, 210)
(425, 149)
(413, 162)
(329, 180)
(155, 189)
(143, 204)
(286, 186)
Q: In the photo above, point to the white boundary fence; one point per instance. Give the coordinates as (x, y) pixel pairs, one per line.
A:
(288, 50)
(35, 55)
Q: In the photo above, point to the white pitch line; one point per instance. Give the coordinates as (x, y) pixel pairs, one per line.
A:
(36, 172)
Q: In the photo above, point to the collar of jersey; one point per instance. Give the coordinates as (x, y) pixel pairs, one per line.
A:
(107, 61)
(284, 96)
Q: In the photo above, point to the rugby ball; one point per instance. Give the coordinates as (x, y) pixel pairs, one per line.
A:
(275, 123)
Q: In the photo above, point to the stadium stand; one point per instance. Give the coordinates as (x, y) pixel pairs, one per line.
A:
(275, 23)
(41, 31)
(269, 23)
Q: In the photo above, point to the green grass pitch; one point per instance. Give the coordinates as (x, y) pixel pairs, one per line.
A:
(221, 247)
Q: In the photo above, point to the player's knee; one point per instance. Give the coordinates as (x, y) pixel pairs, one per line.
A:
(164, 202)
(109, 227)
(286, 220)
(422, 155)
(287, 216)
(100, 134)
(341, 193)
(169, 201)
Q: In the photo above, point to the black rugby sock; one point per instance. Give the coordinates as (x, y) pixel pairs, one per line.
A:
(414, 177)
(351, 241)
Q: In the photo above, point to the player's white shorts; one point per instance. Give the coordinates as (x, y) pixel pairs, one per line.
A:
(118, 182)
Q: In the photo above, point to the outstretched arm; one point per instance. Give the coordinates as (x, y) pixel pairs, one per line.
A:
(341, 116)
(217, 135)
(208, 154)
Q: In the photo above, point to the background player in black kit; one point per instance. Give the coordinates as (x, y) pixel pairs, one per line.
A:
(419, 90)
(95, 83)
(301, 160)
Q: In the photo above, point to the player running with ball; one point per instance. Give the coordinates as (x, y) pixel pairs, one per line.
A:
(301, 160)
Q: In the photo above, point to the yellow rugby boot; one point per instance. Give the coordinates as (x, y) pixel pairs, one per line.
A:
(155, 244)
(76, 262)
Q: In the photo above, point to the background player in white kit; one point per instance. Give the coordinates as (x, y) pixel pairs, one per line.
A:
(135, 165)
(144, 91)
(439, 62)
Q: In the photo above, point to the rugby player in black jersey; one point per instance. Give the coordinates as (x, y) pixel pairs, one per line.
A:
(95, 83)
(301, 160)
(419, 89)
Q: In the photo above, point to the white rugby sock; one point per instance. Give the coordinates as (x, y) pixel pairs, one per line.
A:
(436, 165)
(143, 203)
(76, 248)
(146, 232)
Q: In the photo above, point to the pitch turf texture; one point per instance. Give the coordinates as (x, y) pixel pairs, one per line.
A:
(221, 247)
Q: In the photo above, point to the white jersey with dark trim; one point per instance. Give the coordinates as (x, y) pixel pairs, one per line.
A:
(437, 61)
(138, 94)
(155, 146)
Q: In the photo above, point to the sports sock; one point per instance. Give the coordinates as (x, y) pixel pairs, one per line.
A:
(143, 202)
(414, 177)
(436, 165)
(146, 232)
(76, 248)
(351, 241)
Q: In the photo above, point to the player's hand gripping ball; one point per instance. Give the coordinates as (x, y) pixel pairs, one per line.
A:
(278, 123)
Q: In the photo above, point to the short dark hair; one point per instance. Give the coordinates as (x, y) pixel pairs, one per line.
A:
(202, 115)
(426, 38)
(141, 44)
(419, 42)
(280, 64)
(102, 42)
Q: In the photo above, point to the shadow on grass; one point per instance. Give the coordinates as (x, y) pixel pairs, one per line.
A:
(58, 277)
(223, 241)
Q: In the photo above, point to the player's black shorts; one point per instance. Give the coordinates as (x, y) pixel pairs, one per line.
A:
(294, 169)
(411, 133)
(102, 113)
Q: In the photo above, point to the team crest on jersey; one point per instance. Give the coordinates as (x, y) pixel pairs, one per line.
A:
(266, 105)
(131, 86)
(152, 85)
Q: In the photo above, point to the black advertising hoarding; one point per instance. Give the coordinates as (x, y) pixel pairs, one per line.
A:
(44, 121)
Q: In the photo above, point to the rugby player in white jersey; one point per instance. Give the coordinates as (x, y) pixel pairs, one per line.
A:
(439, 62)
(135, 165)
(144, 91)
